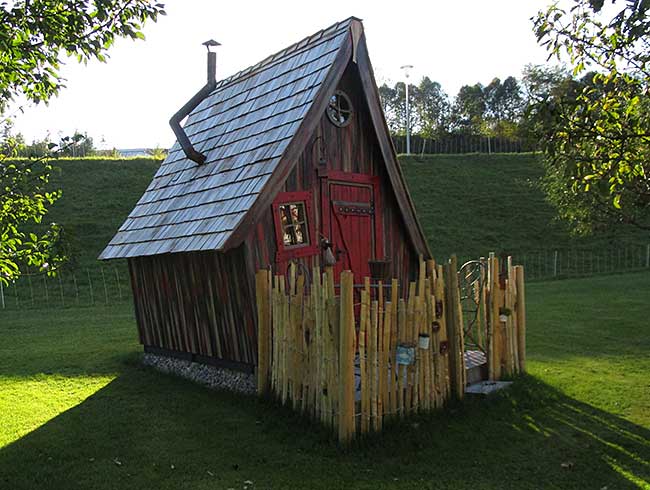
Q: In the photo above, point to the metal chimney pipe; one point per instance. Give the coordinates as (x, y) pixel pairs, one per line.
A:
(212, 67)
(212, 60)
(190, 105)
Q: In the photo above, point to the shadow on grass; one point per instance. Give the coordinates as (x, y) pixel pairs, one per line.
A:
(147, 430)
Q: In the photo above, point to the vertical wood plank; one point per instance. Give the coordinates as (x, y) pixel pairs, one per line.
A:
(402, 372)
(372, 361)
(346, 359)
(263, 331)
(363, 361)
(394, 291)
(384, 373)
(443, 319)
(521, 317)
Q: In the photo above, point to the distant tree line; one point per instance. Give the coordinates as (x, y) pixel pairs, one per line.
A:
(500, 116)
(79, 145)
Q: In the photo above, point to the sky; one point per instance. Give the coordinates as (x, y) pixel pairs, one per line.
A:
(127, 102)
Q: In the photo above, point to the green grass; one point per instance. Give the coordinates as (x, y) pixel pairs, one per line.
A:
(468, 204)
(473, 204)
(98, 195)
(74, 401)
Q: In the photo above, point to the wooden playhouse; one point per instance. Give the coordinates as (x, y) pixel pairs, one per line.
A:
(298, 166)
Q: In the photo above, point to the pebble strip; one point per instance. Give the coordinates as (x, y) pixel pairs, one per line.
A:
(210, 376)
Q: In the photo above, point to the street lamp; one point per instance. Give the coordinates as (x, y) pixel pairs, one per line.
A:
(406, 69)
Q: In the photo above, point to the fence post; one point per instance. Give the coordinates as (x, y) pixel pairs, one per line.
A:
(117, 279)
(76, 287)
(31, 289)
(2, 295)
(61, 290)
(104, 281)
(455, 330)
(346, 359)
(263, 333)
(647, 255)
(90, 284)
(555, 263)
(521, 316)
(47, 294)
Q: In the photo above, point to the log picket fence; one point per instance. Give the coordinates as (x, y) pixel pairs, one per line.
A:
(352, 357)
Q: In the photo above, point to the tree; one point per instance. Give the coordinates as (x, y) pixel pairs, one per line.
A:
(540, 84)
(79, 145)
(391, 105)
(431, 105)
(37, 149)
(393, 101)
(158, 152)
(34, 36)
(596, 135)
(503, 101)
(469, 109)
(504, 106)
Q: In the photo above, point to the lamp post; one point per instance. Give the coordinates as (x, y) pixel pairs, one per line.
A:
(406, 69)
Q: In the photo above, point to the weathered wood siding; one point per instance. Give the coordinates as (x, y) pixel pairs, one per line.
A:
(355, 149)
(200, 302)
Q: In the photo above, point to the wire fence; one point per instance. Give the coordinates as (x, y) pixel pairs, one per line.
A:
(110, 284)
(550, 264)
(100, 285)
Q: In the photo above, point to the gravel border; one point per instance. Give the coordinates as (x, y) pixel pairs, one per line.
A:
(210, 376)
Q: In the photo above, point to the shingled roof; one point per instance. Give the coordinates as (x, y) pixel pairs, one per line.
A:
(244, 128)
(252, 129)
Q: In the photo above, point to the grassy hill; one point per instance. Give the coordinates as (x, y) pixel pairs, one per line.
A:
(468, 204)
(98, 194)
(472, 204)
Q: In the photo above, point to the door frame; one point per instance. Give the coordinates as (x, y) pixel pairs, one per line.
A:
(373, 181)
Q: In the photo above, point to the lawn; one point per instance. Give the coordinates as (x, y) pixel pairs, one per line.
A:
(78, 411)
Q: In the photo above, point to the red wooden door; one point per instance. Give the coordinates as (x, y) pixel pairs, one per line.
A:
(351, 209)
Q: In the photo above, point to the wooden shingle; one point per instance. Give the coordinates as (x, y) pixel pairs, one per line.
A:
(243, 127)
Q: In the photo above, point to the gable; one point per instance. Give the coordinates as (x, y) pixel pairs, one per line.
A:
(358, 55)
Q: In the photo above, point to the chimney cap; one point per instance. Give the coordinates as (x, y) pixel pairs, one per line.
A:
(211, 43)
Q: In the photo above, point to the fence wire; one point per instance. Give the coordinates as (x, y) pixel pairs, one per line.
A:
(101, 285)
(549, 264)
(110, 284)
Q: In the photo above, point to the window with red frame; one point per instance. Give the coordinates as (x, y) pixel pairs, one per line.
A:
(294, 227)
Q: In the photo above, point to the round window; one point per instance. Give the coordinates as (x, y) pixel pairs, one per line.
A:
(339, 110)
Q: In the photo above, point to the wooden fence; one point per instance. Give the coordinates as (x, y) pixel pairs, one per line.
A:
(499, 329)
(353, 356)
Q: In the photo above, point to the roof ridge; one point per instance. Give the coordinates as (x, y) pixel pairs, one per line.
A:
(279, 54)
